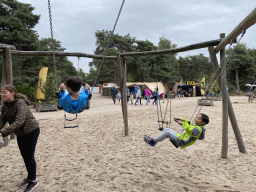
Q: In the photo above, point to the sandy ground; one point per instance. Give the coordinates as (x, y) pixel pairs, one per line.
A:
(97, 157)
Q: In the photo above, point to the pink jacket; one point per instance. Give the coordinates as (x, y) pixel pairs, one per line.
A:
(147, 92)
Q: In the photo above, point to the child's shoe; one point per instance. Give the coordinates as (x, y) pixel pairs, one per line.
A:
(149, 141)
(31, 186)
(25, 182)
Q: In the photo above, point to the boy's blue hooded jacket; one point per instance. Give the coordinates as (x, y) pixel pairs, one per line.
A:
(73, 106)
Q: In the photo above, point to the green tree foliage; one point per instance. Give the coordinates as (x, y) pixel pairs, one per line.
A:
(148, 68)
(108, 72)
(241, 67)
(49, 87)
(16, 28)
(142, 68)
(16, 23)
(195, 67)
(168, 70)
(64, 67)
(252, 53)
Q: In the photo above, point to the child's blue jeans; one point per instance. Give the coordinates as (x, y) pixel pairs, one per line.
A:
(147, 99)
(167, 133)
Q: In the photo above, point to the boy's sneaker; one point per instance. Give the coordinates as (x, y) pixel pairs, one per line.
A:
(1, 144)
(149, 141)
(25, 182)
(31, 186)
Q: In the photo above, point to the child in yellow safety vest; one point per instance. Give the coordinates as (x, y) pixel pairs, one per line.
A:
(190, 136)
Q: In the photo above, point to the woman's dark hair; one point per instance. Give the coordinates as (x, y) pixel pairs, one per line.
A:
(205, 118)
(74, 82)
(17, 95)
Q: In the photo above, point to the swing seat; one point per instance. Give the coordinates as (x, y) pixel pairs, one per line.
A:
(176, 119)
(74, 126)
(174, 143)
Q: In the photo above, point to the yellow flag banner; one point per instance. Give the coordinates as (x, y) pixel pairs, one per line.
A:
(180, 83)
(41, 81)
(203, 83)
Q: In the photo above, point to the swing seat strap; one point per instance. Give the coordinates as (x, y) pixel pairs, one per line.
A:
(70, 119)
(74, 126)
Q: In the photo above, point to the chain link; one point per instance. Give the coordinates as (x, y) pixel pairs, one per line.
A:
(215, 74)
(104, 52)
(53, 45)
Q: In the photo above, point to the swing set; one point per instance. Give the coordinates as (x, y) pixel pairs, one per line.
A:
(220, 72)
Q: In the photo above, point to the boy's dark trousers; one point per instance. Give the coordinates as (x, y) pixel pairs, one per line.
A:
(114, 98)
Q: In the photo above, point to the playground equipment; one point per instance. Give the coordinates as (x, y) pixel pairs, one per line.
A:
(205, 102)
(121, 65)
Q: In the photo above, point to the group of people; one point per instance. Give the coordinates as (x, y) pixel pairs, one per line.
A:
(73, 97)
(186, 93)
(138, 93)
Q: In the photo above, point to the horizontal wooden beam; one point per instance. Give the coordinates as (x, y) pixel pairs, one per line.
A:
(50, 53)
(245, 24)
(6, 45)
(176, 50)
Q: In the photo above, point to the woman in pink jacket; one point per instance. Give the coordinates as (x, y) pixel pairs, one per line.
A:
(147, 94)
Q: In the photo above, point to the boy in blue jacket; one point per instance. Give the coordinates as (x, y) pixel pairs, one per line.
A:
(190, 136)
(74, 101)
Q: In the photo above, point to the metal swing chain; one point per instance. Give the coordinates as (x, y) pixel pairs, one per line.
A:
(53, 45)
(160, 128)
(78, 69)
(163, 119)
(104, 52)
(167, 122)
(168, 100)
(182, 135)
(158, 102)
(222, 67)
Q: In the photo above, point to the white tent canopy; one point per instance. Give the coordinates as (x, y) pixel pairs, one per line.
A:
(150, 85)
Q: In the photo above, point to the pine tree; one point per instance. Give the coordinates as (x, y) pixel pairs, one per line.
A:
(241, 67)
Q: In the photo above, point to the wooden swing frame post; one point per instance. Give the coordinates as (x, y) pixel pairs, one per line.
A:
(7, 77)
(224, 150)
(231, 113)
(122, 87)
(243, 25)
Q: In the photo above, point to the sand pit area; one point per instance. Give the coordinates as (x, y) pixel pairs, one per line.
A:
(97, 157)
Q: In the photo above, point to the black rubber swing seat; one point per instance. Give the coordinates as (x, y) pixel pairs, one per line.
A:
(176, 119)
(174, 143)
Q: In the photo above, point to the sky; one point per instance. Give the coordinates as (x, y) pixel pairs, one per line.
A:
(184, 22)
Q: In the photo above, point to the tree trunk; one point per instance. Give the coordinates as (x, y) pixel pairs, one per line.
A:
(237, 82)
